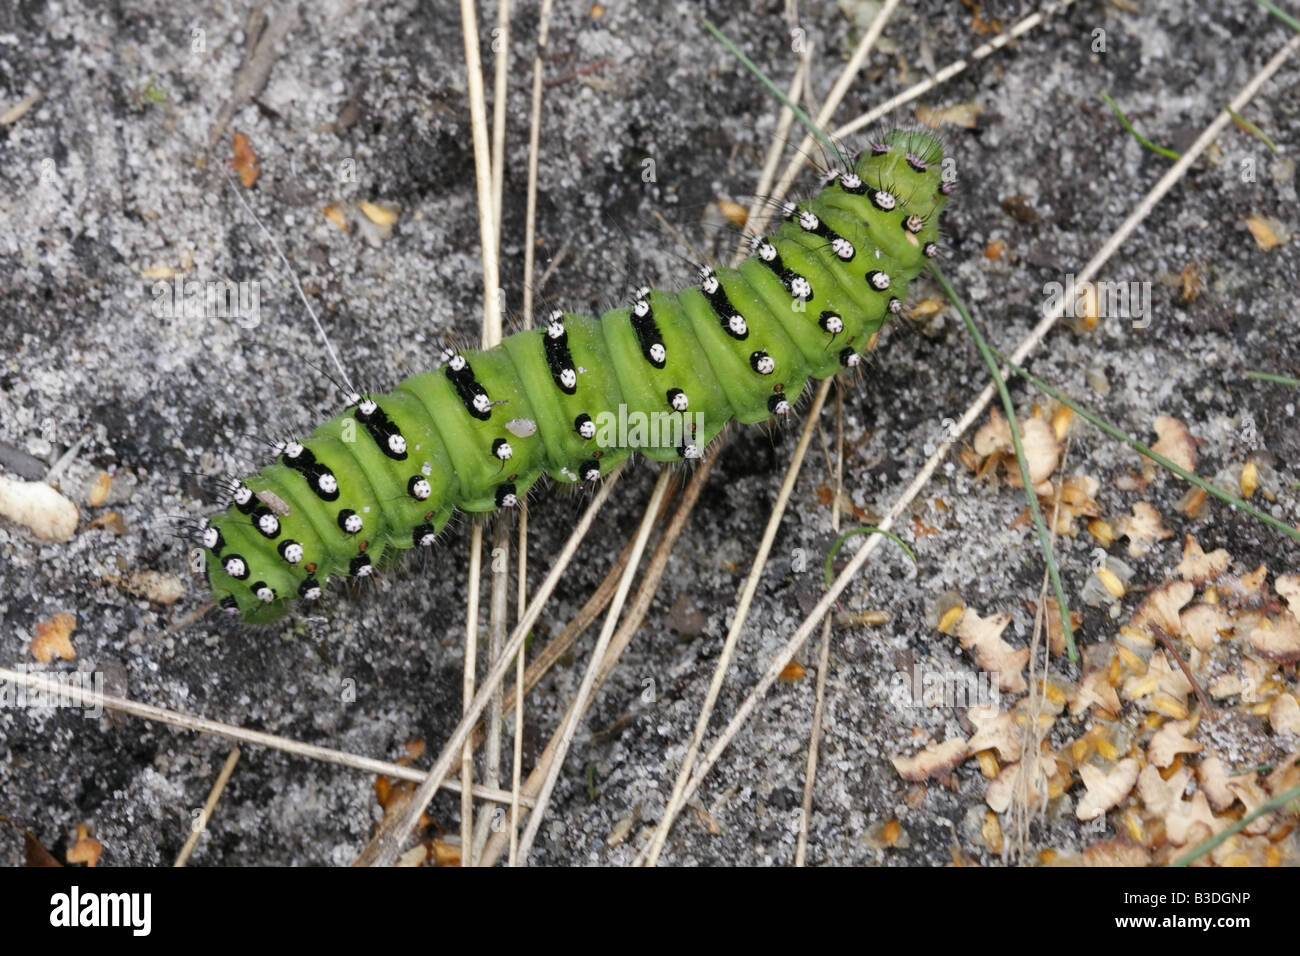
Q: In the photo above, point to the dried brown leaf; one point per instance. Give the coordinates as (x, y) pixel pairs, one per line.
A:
(1170, 741)
(1288, 586)
(1268, 232)
(933, 761)
(982, 636)
(244, 160)
(1277, 639)
(1105, 789)
(53, 638)
(1143, 528)
(1175, 442)
(995, 730)
(959, 114)
(99, 491)
(39, 507)
(1163, 607)
(1158, 795)
(1095, 690)
(1212, 775)
(86, 849)
(1160, 678)
(1203, 624)
(1116, 852)
(1201, 568)
(1252, 796)
(1284, 715)
(1191, 820)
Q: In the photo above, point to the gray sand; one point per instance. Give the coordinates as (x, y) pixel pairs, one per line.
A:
(109, 177)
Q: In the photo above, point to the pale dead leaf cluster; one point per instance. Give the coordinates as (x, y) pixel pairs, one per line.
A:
(982, 636)
(1139, 750)
(53, 638)
(1105, 788)
(994, 447)
(1143, 528)
(1200, 568)
(40, 508)
(1174, 442)
(1064, 499)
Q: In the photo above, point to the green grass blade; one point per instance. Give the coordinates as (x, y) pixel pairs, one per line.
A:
(1282, 15)
(776, 91)
(1250, 127)
(1282, 799)
(1141, 449)
(1258, 768)
(1044, 539)
(1270, 377)
(1167, 153)
(829, 569)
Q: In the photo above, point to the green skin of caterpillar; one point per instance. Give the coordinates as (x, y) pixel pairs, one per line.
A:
(720, 376)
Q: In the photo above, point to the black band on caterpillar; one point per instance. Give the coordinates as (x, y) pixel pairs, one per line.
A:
(319, 478)
(557, 355)
(578, 393)
(387, 436)
(474, 395)
(733, 323)
(647, 333)
(809, 222)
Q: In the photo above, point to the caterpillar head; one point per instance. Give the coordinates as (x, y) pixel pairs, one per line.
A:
(904, 171)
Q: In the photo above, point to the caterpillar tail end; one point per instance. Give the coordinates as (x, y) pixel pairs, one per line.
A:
(250, 610)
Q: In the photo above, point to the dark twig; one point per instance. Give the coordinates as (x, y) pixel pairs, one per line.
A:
(263, 34)
(1206, 705)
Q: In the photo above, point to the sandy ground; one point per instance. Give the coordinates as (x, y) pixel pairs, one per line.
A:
(111, 180)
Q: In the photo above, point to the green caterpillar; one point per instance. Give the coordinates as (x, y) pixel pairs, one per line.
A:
(476, 434)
